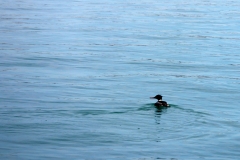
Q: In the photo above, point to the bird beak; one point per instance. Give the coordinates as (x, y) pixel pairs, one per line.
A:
(152, 98)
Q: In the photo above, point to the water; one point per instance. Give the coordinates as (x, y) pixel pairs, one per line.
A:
(76, 77)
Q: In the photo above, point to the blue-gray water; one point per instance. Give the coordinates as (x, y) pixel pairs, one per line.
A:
(76, 77)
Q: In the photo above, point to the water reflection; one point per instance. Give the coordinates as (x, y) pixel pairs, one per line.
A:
(158, 113)
(158, 110)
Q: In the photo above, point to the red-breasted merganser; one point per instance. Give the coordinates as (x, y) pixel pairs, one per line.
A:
(160, 102)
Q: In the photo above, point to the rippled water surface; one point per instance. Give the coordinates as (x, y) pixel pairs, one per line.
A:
(76, 77)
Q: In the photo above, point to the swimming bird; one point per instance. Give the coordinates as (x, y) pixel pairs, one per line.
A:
(160, 102)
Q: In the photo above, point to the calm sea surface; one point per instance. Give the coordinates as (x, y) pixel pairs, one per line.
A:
(76, 77)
